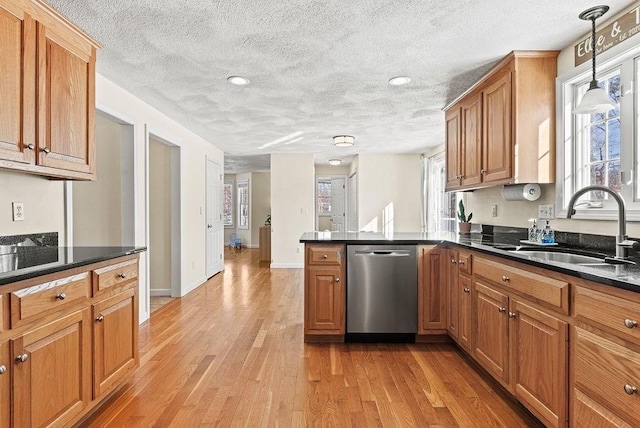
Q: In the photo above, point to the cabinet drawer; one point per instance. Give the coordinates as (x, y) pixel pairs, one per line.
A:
(33, 302)
(114, 275)
(465, 262)
(604, 369)
(544, 290)
(611, 313)
(325, 254)
(588, 413)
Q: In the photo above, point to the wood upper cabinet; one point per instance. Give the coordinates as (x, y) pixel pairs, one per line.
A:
(507, 129)
(432, 288)
(115, 339)
(17, 85)
(52, 372)
(5, 385)
(48, 93)
(325, 290)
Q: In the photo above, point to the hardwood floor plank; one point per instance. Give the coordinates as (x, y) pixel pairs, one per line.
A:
(231, 353)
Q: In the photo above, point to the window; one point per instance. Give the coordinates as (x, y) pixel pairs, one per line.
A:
(323, 193)
(243, 204)
(600, 148)
(441, 206)
(227, 204)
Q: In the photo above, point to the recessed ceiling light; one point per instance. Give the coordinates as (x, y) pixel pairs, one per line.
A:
(399, 80)
(238, 80)
(343, 140)
(335, 162)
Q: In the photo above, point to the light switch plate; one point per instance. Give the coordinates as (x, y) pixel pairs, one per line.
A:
(545, 211)
(18, 211)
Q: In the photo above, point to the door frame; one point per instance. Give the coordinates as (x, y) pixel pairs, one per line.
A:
(206, 216)
(346, 199)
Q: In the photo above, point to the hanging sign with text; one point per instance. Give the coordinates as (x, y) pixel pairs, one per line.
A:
(628, 25)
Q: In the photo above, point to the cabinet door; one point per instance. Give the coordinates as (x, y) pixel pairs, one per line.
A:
(453, 148)
(325, 300)
(491, 345)
(115, 340)
(17, 85)
(497, 145)
(52, 383)
(5, 385)
(453, 296)
(540, 351)
(432, 275)
(466, 312)
(66, 101)
(471, 144)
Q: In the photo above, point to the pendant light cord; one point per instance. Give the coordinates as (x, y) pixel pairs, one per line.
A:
(594, 82)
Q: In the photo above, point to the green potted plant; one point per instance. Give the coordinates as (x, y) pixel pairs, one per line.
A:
(464, 226)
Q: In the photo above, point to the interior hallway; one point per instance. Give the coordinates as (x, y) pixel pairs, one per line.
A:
(231, 353)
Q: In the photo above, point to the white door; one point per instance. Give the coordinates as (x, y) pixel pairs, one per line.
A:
(214, 227)
(353, 203)
(338, 205)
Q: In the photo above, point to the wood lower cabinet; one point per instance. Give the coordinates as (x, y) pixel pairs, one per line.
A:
(5, 385)
(432, 281)
(52, 372)
(465, 320)
(453, 295)
(115, 339)
(324, 291)
(47, 123)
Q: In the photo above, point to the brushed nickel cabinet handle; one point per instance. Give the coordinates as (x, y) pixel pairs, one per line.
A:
(483, 171)
(512, 314)
(3, 369)
(630, 323)
(629, 389)
(324, 256)
(122, 275)
(61, 296)
(30, 146)
(22, 358)
(502, 310)
(505, 278)
(337, 279)
(454, 261)
(100, 318)
(466, 290)
(46, 150)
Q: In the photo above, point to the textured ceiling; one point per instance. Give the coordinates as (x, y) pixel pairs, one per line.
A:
(317, 67)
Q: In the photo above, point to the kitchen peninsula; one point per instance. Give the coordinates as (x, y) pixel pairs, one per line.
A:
(562, 338)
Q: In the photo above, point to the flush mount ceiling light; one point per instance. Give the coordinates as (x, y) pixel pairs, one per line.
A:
(399, 80)
(343, 140)
(595, 100)
(335, 162)
(238, 80)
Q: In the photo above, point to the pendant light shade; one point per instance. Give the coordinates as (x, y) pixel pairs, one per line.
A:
(596, 99)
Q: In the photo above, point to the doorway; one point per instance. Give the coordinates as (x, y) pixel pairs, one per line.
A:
(331, 203)
(215, 225)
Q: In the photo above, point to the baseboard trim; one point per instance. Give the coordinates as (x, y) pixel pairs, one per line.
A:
(160, 292)
(287, 265)
(253, 245)
(197, 283)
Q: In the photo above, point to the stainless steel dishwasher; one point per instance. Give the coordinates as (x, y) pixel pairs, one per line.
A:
(382, 289)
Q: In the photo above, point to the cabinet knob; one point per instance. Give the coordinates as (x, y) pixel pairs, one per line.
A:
(630, 323)
(100, 318)
(512, 314)
(61, 296)
(629, 389)
(30, 146)
(122, 275)
(46, 150)
(22, 358)
(505, 278)
(461, 262)
(324, 256)
(337, 279)
(3, 369)
(466, 290)
(454, 261)
(502, 310)
(483, 171)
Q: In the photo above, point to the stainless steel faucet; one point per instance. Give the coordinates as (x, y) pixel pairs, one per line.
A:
(623, 244)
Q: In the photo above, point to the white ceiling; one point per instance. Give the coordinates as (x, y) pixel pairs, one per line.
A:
(319, 67)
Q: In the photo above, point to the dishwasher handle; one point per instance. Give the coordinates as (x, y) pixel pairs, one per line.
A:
(384, 253)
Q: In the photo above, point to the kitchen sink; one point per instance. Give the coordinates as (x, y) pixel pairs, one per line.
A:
(562, 257)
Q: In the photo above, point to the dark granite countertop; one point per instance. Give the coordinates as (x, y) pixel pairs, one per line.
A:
(18, 263)
(617, 275)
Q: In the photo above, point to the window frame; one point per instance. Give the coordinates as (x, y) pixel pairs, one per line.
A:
(628, 60)
(432, 224)
(225, 185)
(243, 186)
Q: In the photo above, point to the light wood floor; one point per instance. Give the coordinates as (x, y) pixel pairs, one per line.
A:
(231, 353)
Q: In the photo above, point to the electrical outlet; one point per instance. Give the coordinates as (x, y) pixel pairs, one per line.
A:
(298, 250)
(494, 211)
(18, 211)
(545, 211)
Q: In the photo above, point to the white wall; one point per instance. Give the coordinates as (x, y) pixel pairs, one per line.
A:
(260, 204)
(194, 150)
(97, 214)
(385, 180)
(160, 221)
(292, 207)
(43, 204)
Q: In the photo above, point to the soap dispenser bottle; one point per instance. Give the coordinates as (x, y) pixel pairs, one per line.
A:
(533, 234)
(547, 234)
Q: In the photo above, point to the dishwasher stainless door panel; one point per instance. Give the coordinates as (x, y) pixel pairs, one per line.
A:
(382, 289)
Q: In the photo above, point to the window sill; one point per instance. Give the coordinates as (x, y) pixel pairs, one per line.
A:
(600, 214)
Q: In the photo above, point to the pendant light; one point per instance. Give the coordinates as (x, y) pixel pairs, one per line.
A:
(595, 100)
